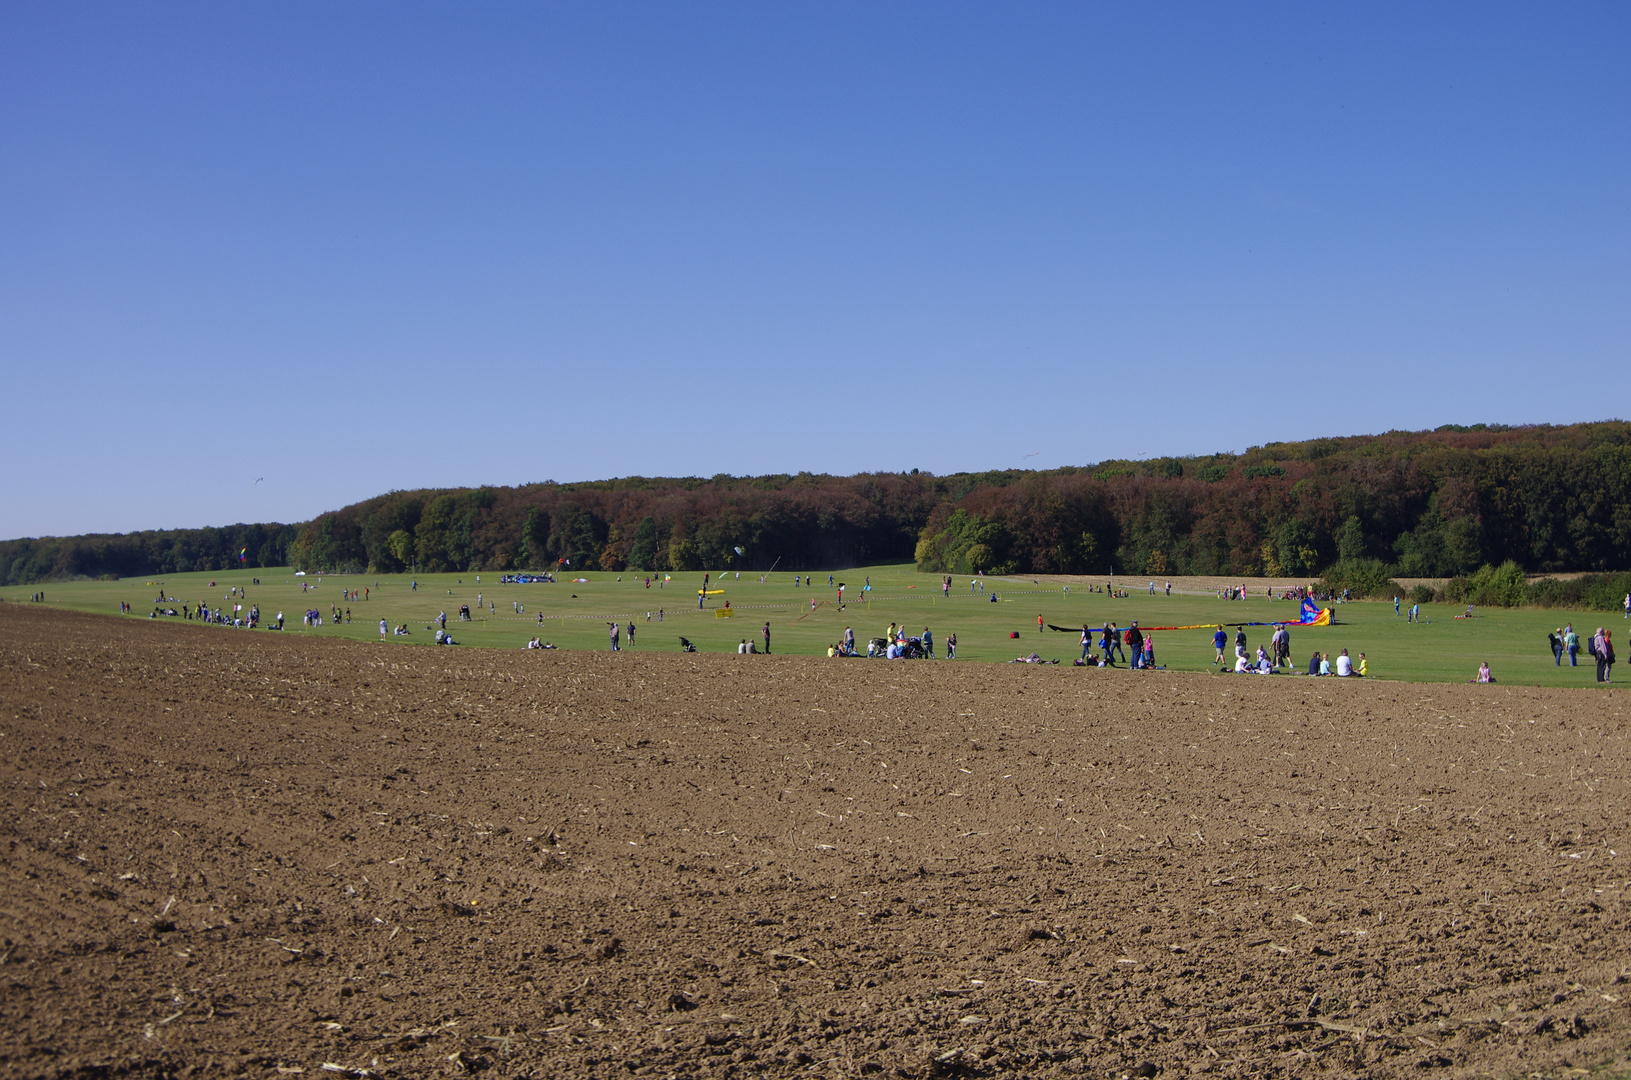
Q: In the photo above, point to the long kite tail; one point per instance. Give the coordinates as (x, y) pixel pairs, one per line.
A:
(1196, 626)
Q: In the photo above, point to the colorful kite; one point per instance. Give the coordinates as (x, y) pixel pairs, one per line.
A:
(1314, 615)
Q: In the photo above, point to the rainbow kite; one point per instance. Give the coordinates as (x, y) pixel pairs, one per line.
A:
(243, 555)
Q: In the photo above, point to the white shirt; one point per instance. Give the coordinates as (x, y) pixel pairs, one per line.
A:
(1345, 666)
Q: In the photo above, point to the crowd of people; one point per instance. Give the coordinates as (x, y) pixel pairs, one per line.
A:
(1106, 646)
(895, 644)
(1275, 657)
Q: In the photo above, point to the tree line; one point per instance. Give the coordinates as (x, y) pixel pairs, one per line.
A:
(1435, 503)
(141, 554)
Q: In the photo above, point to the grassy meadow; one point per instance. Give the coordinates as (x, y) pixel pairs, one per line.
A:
(575, 614)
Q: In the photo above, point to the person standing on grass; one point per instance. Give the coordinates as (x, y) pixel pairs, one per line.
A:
(1555, 641)
(1395, 607)
(849, 639)
(1087, 641)
(1039, 624)
(1571, 642)
(382, 630)
(1135, 645)
(1219, 640)
(951, 646)
(631, 633)
(1596, 650)
(1605, 656)
(615, 629)
(1111, 645)
(766, 632)
(928, 643)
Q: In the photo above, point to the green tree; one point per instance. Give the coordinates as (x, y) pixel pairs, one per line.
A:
(682, 554)
(431, 538)
(534, 540)
(400, 544)
(1294, 544)
(643, 545)
(1352, 544)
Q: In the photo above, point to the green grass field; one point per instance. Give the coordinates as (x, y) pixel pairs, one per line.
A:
(1441, 648)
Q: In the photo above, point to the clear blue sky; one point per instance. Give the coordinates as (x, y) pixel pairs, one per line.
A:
(350, 248)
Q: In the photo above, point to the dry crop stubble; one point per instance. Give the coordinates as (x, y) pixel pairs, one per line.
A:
(246, 857)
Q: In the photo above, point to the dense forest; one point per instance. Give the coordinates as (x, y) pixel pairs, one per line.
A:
(1427, 504)
(138, 554)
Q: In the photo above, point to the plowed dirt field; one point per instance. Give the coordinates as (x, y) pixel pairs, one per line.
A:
(232, 854)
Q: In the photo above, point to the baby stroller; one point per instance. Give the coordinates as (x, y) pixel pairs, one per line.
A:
(686, 646)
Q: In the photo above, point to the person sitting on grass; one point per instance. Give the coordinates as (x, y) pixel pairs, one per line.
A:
(1243, 666)
(1314, 664)
(1483, 675)
(1345, 665)
(1325, 663)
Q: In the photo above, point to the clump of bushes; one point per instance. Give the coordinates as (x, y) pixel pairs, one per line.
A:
(1597, 592)
(1507, 586)
(1489, 586)
(1365, 578)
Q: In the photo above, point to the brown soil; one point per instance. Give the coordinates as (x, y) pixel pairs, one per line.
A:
(237, 854)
